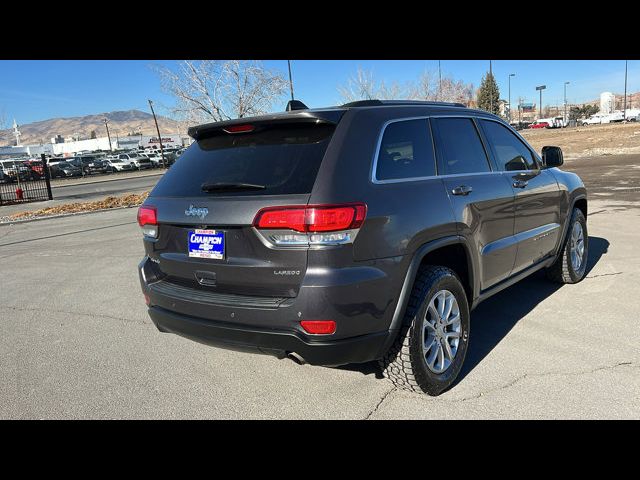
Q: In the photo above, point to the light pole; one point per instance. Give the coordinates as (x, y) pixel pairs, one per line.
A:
(540, 88)
(510, 75)
(565, 102)
(624, 115)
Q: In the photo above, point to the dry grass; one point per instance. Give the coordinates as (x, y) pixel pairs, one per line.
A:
(594, 140)
(126, 200)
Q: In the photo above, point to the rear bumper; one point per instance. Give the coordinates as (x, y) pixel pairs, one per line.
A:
(357, 299)
(271, 342)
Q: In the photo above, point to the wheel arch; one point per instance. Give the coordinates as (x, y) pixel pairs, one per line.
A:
(444, 252)
(580, 202)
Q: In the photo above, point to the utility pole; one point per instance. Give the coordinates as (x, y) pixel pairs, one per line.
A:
(290, 79)
(106, 124)
(624, 115)
(565, 102)
(510, 75)
(439, 81)
(490, 94)
(164, 164)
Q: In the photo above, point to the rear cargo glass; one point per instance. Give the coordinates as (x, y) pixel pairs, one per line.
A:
(285, 159)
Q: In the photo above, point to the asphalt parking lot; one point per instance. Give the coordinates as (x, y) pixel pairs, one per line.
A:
(77, 342)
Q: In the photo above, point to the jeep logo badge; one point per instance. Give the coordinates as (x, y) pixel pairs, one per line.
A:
(196, 212)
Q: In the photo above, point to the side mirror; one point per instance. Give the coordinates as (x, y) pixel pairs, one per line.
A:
(552, 156)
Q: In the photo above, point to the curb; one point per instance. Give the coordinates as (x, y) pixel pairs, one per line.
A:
(108, 180)
(63, 215)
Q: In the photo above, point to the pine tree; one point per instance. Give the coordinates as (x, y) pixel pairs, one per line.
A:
(488, 94)
(93, 134)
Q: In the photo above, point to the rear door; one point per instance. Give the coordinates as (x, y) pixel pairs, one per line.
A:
(537, 195)
(219, 185)
(482, 200)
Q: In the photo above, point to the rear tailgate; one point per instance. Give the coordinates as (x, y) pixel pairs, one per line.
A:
(284, 159)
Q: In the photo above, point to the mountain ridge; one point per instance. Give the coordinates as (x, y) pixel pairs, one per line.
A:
(121, 123)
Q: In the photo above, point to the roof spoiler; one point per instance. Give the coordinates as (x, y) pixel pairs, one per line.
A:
(300, 116)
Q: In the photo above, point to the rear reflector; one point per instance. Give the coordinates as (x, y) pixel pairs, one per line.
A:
(147, 300)
(319, 327)
(239, 128)
(312, 218)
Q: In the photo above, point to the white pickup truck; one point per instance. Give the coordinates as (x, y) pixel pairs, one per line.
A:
(599, 118)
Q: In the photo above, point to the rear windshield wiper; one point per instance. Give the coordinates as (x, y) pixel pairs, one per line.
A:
(221, 186)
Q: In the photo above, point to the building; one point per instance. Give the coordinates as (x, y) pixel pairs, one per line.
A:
(26, 150)
(119, 143)
(607, 102)
(70, 148)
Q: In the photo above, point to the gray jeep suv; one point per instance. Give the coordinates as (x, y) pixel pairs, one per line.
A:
(356, 233)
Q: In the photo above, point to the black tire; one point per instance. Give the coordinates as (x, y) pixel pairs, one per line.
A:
(562, 270)
(405, 364)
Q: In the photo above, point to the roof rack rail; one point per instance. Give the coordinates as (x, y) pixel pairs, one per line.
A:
(374, 103)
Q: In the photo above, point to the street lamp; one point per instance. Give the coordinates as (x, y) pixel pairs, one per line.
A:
(540, 88)
(624, 114)
(565, 102)
(510, 75)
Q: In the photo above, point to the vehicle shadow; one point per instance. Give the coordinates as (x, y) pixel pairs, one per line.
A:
(494, 318)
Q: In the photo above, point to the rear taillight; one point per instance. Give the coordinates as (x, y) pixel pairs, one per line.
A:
(317, 224)
(148, 221)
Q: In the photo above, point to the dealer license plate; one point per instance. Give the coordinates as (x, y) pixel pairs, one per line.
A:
(206, 244)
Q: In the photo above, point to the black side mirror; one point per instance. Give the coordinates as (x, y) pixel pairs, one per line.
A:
(552, 156)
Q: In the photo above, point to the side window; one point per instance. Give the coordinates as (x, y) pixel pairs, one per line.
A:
(511, 154)
(459, 146)
(406, 151)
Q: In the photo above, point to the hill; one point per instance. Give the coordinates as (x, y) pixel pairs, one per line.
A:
(120, 124)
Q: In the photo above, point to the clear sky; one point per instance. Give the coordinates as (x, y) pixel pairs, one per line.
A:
(39, 89)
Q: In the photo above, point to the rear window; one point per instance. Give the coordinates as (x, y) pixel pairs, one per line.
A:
(285, 159)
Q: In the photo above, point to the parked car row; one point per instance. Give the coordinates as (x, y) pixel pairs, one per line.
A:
(100, 162)
(86, 163)
(12, 170)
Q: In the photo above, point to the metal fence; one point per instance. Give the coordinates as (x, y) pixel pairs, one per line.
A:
(24, 181)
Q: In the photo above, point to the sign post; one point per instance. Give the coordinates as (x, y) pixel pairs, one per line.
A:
(540, 88)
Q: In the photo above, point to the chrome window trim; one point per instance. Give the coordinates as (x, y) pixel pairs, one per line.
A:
(374, 167)
(537, 158)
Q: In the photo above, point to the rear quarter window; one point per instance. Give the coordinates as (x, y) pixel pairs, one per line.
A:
(406, 151)
(283, 158)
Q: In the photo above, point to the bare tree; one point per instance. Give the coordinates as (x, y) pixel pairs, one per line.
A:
(428, 87)
(4, 128)
(362, 86)
(215, 90)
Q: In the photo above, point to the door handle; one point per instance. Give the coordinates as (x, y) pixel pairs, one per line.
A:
(520, 183)
(462, 190)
